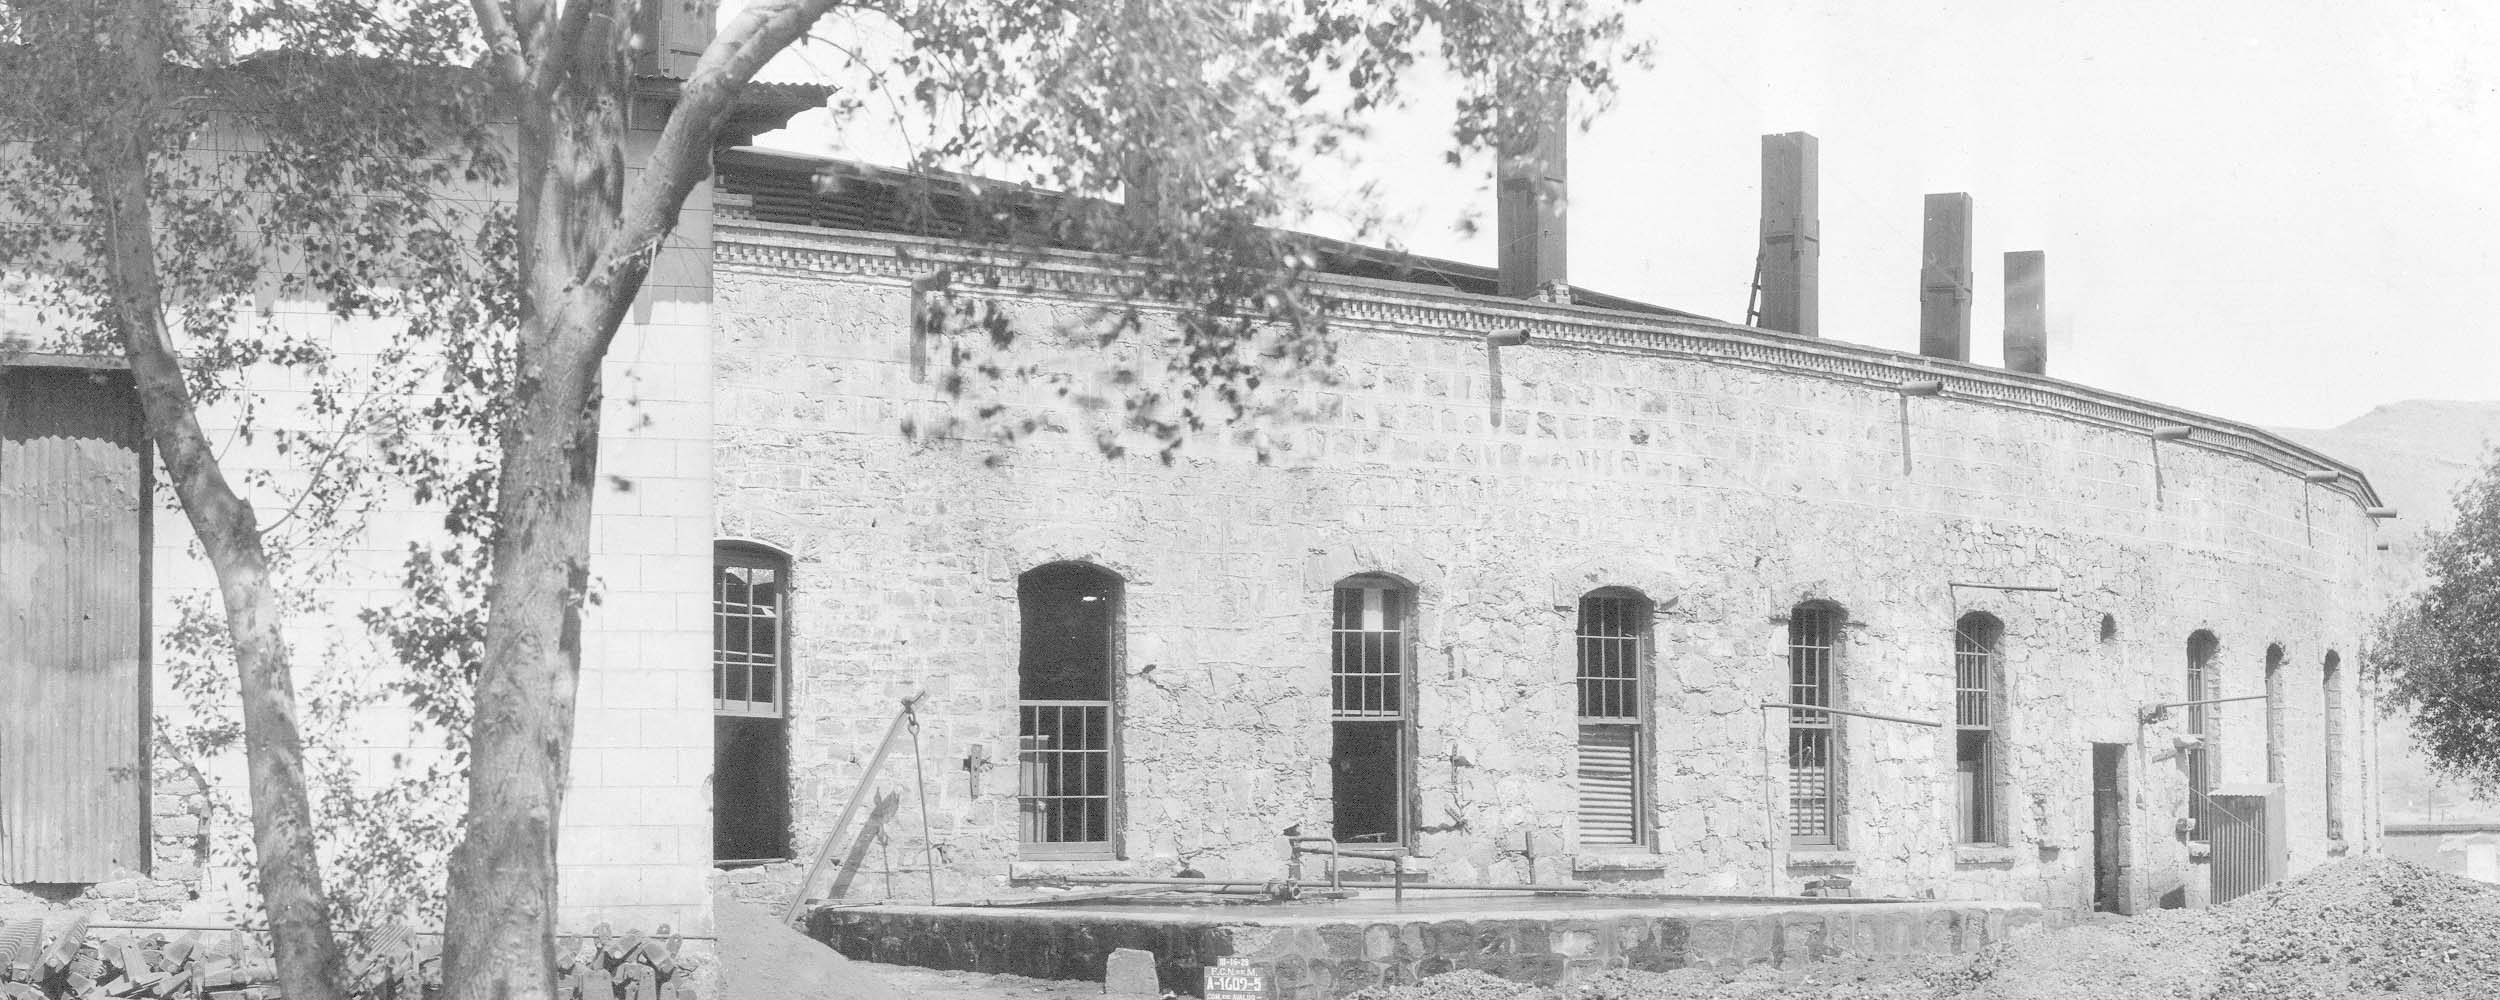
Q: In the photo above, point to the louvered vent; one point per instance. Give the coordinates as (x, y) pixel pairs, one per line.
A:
(1608, 780)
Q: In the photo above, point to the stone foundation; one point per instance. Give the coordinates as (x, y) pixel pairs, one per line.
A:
(1327, 950)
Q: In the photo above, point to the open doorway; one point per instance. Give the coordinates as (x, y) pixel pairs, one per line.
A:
(2109, 822)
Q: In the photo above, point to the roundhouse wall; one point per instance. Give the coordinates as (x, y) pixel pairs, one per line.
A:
(1726, 474)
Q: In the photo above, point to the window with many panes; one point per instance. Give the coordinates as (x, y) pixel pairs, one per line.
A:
(2198, 758)
(1814, 759)
(1612, 681)
(1371, 725)
(1977, 671)
(750, 681)
(1067, 725)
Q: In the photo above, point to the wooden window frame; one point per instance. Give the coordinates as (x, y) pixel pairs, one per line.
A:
(1367, 706)
(1619, 693)
(1815, 678)
(1978, 716)
(1045, 769)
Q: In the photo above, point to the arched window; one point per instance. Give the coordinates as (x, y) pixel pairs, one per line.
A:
(2332, 696)
(1067, 759)
(1815, 765)
(1978, 700)
(750, 683)
(1613, 683)
(1370, 714)
(2277, 745)
(2198, 758)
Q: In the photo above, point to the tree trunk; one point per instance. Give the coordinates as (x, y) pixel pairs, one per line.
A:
(283, 839)
(500, 939)
(499, 944)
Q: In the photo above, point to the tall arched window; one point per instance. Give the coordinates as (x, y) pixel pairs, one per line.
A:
(2331, 694)
(1067, 794)
(2198, 758)
(750, 682)
(1370, 714)
(1978, 700)
(2277, 745)
(1815, 765)
(1613, 683)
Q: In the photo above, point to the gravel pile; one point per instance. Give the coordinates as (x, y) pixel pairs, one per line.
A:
(2373, 927)
(2370, 927)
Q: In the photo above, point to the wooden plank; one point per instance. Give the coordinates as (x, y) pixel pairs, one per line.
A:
(73, 549)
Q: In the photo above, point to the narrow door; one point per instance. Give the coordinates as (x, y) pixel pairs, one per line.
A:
(2108, 820)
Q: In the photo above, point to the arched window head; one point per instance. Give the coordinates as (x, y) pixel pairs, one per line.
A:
(1070, 612)
(2109, 627)
(1613, 636)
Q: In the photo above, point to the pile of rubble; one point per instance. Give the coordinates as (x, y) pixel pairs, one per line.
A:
(2369, 927)
(74, 962)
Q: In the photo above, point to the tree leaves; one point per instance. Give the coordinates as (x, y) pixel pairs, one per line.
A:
(2438, 650)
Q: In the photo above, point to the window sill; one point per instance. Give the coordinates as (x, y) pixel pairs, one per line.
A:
(1821, 857)
(1055, 857)
(1983, 854)
(730, 863)
(1620, 858)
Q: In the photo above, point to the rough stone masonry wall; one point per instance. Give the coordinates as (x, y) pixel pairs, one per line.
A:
(1726, 474)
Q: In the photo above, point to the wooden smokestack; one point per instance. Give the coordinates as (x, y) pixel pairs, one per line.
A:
(1530, 223)
(2027, 312)
(1792, 236)
(1944, 279)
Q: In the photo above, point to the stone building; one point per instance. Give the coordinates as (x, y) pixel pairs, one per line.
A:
(1518, 607)
(1515, 605)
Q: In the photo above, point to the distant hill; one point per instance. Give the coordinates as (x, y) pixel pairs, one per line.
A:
(2415, 453)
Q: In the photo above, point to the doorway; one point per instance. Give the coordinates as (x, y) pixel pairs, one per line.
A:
(2109, 768)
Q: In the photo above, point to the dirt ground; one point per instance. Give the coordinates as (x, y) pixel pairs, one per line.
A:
(2364, 928)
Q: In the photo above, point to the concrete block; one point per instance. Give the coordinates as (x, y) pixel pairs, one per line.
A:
(1130, 973)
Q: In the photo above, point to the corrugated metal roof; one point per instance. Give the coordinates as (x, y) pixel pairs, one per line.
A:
(825, 192)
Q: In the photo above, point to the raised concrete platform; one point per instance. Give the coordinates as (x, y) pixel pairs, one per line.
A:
(1324, 950)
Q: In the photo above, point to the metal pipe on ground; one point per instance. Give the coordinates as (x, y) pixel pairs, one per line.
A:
(1502, 886)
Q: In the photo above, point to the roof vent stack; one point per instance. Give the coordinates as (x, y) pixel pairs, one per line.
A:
(1789, 265)
(1944, 279)
(1531, 209)
(2027, 312)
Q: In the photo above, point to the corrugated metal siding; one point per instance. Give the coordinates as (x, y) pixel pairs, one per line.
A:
(2247, 840)
(1609, 782)
(73, 510)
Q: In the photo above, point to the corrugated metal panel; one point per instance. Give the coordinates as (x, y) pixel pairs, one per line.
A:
(73, 492)
(2246, 840)
(1609, 785)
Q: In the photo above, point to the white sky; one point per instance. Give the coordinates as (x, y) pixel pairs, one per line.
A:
(2277, 211)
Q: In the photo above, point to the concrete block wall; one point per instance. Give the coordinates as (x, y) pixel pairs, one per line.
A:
(636, 845)
(1727, 475)
(637, 840)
